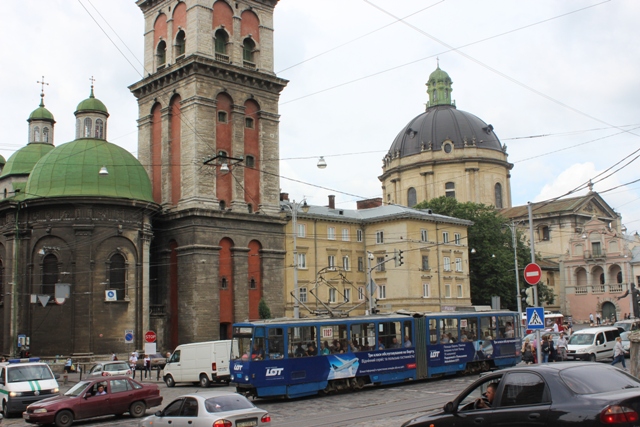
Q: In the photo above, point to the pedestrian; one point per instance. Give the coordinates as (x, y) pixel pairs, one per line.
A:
(598, 318)
(133, 360)
(67, 365)
(545, 349)
(618, 353)
(114, 357)
(591, 318)
(527, 352)
(147, 366)
(562, 347)
(553, 354)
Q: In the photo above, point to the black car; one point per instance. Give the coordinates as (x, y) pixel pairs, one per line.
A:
(556, 394)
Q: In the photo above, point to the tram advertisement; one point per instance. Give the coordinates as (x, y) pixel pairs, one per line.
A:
(465, 352)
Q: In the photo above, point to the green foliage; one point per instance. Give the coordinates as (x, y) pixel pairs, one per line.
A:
(491, 267)
(263, 310)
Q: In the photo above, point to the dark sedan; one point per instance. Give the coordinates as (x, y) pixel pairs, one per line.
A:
(95, 397)
(556, 394)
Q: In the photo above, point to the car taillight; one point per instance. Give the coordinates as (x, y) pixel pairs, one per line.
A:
(266, 418)
(223, 423)
(214, 367)
(616, 414)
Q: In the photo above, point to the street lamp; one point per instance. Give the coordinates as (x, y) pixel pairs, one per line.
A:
(512, 227)
(294, 207)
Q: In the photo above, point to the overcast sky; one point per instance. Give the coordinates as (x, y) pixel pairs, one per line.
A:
(557, 80)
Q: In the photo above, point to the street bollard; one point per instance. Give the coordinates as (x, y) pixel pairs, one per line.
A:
(65, 379)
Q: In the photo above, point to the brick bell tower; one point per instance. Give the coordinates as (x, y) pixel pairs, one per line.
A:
(210, 92)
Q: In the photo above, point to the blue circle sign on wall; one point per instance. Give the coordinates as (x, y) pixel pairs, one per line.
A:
(128, 337)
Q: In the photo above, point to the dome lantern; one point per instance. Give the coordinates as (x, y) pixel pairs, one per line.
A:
(439, 88)
(91, 117)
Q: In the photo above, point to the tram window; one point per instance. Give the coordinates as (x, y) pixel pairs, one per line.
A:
(363, 336)
(449, 330)
(276, 344)
(468, 329)
(333, 339)
(405, 339)
(505, 326)
(241, 348)
(433, 331)
(300, 338)
(487, 327)
(389, 335)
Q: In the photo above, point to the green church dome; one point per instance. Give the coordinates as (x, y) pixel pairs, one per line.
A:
(91, 104)
(2, 160)
(41, 113)
(439, 75)
(72, 169)
(22, 161)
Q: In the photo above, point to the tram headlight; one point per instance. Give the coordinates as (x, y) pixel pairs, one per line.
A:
(246, 377)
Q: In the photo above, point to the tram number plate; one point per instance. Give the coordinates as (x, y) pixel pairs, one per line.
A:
(247, 423)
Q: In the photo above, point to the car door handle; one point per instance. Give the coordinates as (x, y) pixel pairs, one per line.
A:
(190, 422)
(479, 420)
(534, 416)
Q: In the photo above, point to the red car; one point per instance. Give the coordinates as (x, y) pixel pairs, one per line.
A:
(95, 397)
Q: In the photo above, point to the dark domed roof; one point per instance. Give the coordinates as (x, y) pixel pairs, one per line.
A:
(440, 123)
(72, 169)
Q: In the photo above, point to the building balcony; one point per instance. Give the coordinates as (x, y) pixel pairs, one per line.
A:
(590, 255)
(222, 57)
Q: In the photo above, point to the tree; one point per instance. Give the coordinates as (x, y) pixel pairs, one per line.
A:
(491, 262)
(263, 309)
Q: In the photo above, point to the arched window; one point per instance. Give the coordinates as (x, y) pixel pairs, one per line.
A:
(117, 275)
(619, 277)
(221, 43)
(36, 134)
(223, 205)
(49, 274)
(412, 198)
(222, 116)
(602, 278)
(99, 129)
(450, 189)
(247, 52)
(161, 53)
(248, 123)
(45, 134)
(87, 128)
(545, 233)
(180, 43)
(498, 191)
(223, 283)
(250, 161)
(252, 283)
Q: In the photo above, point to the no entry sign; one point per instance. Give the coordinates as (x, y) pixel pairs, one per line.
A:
(150, 336)
(532, 274)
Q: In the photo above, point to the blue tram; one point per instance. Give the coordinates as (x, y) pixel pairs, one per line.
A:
(300, 357)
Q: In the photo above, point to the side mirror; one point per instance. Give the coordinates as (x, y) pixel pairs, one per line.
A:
(448, 407)
(158, 413)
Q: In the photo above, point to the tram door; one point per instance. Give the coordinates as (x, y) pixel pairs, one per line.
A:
(421, 334)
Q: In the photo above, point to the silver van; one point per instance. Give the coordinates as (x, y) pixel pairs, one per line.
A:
(592, 343)
(628, 325)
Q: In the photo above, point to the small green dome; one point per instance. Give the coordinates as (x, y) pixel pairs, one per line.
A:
(439, 75)
(91, 104)
(2, 160)
(22, 161)
(72, 169)
(41, 113)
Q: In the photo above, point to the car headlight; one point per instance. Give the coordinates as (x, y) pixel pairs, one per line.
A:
(15, 394)
(39, 411)
(581, 350)
(246, 377)
(55, 390)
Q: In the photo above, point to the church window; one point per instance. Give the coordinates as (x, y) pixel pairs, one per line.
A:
(180, 43)
(498, 192)
(117, 275)
(248, 123)
(435, 95)
(412, 198)
(222, 117)
(45, 134)
(99, 129)
(450, 189)
(247, 52)
(250, 161)
(447, 148)
(87, 128)
(252, 284)
(221, 43)
(161, 53)
(49, 274)
(36, 134)
(545, 233)
(224, 284)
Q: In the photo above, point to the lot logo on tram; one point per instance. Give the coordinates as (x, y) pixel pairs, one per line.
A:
(434, 354)
(237, 367)
(274, 372)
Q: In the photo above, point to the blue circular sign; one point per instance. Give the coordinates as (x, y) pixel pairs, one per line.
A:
(111, 294)
(128, 337)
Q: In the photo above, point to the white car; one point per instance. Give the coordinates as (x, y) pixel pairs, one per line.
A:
(211, 408)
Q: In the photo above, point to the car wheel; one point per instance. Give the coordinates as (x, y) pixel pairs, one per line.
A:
(592, 358)
(137, 409)
(168, 380)
(64, 418)
(5, 412)
(204, 381)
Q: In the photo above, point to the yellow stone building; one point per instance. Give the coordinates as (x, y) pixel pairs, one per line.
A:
(446, 152)
(336, 250)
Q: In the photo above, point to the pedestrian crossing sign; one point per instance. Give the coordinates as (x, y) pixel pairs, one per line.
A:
(535, 318)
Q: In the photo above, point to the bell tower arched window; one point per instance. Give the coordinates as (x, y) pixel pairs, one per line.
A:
(117, 275)
(99, 129)
(412, 198)
(36, 134)
(180, 43)
(87, 128)
(161, 53)
(247, 53)
(45, 134)
(498, 193)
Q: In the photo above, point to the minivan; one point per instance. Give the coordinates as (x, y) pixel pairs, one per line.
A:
(202, 362)
(592, 343)
(628, 324)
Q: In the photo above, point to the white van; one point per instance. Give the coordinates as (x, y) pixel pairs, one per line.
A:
(201, 362)
(592, 343)
(24, 381)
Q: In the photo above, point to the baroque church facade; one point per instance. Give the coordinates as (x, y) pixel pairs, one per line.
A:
(98, 247)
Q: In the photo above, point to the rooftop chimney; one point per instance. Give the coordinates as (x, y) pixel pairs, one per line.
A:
(284, 196)
(332, 201)
(369, 203)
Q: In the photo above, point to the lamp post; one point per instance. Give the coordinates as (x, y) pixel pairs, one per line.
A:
(293, 207)
(512, 227)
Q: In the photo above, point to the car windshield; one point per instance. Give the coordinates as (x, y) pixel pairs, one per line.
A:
(120, 366)
(581, 339)
(624, 325)
(588, 379)
(28, 373)
(77, 389)
(232, 402)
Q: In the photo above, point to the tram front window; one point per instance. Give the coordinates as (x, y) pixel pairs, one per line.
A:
(241, 348)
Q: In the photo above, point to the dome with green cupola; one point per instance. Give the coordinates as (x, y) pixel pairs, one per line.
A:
(91, 104)
(22, 161)
(41, 113)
